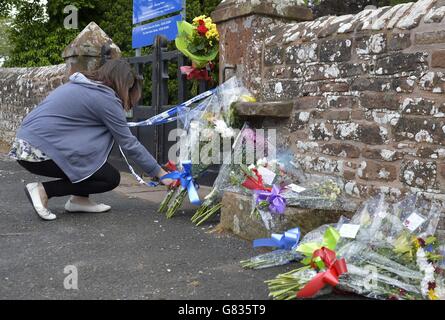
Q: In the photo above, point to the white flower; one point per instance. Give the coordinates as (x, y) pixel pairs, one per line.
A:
(421, 253)
(262, 162)
(194, 125)
(440, 292)
(251, 167)
(427, 268)
(273, 165)
(208, 134)
(222, 128)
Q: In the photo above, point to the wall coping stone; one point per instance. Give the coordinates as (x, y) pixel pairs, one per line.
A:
(277, 109)
(89, 43)
(287, 9)
(401, 17)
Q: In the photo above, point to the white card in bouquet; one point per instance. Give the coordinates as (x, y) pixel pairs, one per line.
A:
(413, 221)
(295, 188)
(268, 176)
(349, 230)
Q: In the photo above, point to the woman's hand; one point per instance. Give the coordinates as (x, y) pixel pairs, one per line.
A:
(165, 182)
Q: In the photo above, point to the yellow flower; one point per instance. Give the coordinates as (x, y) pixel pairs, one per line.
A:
(212, 33)
(248, 98)
(195, 20)
(432, 295)
(211, 28)
(209, 117)
(416, 243)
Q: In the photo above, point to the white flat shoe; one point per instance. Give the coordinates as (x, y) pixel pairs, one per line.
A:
(32, 192)
(97, 208)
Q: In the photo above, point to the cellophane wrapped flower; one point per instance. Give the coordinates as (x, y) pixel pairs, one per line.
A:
(310, 193)
(212, 202)
(219, 117)
(285, 286)
(395, 253)
(199, 41)
(239, 172)
(271, 259)
(203, 130)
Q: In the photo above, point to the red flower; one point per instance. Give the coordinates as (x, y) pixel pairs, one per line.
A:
(202, 29)
(431, 285)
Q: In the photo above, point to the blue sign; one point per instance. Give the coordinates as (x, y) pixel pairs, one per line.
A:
(145, 35)
(144, 10)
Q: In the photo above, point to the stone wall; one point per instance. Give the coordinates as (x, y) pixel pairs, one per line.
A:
(368, 96)
(243, 25)
(21, 89)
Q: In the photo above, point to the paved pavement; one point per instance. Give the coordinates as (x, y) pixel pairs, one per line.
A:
(131, 252)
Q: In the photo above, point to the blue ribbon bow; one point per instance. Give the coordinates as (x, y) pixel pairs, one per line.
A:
(187, 182)
(285, 241)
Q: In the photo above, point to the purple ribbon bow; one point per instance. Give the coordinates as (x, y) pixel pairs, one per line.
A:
(277, 204)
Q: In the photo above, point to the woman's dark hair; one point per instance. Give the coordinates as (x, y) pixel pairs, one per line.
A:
(119, 76)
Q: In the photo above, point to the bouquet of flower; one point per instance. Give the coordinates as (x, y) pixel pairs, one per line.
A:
(199, 41)
(212, 202)
(287, 244)
(185, 184)
(391, 253)
(238, 172)
(203, 132)
(395, 254)
(269, 179)
(320, 263)
(269, 204)
(266, 179)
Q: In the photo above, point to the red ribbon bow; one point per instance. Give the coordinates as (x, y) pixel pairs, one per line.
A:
(334, 268)
(255, 184)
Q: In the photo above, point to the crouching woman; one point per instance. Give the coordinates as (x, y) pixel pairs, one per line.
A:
(69, 136)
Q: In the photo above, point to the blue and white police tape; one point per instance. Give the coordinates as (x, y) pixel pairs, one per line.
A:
(162, 118)
(138, 178)
(170, 114)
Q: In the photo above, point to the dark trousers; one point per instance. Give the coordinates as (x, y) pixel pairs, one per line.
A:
(105, 179)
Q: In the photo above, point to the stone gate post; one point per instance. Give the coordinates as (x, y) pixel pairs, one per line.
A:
(243, 25)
